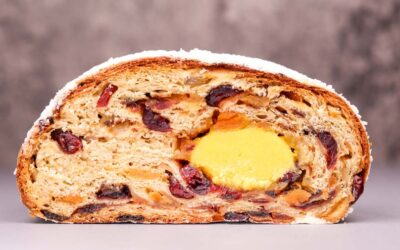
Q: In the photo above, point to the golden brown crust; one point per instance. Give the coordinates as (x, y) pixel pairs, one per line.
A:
(100, 216)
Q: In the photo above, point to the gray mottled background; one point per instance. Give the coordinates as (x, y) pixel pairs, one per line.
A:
(352, 44)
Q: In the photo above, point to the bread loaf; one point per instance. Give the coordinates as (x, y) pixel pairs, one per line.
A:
(194, 137)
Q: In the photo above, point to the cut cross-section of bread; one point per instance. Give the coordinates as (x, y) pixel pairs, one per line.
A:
(194, 137)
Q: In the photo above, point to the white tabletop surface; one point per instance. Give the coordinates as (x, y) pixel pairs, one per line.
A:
(374, 224)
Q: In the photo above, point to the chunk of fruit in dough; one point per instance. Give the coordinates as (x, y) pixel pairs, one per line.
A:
(248, 158)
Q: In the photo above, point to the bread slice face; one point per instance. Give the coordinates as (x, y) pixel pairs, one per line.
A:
(116, 144)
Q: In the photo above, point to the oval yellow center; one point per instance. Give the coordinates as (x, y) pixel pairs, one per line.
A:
(248, 158)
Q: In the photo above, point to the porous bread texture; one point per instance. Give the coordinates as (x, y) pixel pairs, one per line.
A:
(128, 152)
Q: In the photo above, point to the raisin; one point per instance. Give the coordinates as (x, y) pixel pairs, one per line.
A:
(358, 186)
(136, 105)
(330, 145)
(130, 218)
(214, 117)
(291, 177)
(195, 179)
(226, 193)
(68, 142)
(260, 213)
(315, 203)
(106, 95)
(114, 191)
(176, 188)
(89, 208)
(43, 123)
(236, 217)
(154, 120)
(218, 94)
(52, 216)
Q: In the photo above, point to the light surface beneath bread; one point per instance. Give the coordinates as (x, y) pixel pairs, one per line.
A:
(169, 140)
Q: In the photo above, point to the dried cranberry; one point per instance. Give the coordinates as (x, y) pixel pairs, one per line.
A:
(195, 179)
(236, 217)
(106, 95)
(154, 120)
(130, 218)
(358, 186)
(217, 94)
(89, 208)
(330, 145)
(114, 191)
(176, 188)
(68, 142)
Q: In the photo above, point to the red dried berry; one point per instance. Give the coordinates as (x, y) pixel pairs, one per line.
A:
(68, 142)
(195, 179)
(106, 95)
(114, 191)
(358, 186)
(176, 188)
(217, 94)
(154, 120)
(330, 146)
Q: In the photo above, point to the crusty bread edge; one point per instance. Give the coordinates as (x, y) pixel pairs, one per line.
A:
(201, 58)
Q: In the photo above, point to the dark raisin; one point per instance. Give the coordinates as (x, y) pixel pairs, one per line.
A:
(236, 217)
(52, 216)
(195, 179)
(291, 177)
(358, 186)
(231, 195)
(114, 191)
(43, 123)
(226, 193)
(176, 188)
(330, 145)
(315, 203)
(271, 193)
(214, 117)
(260, 213)
(68, 142)
(137, 105)
(154, 120)
(281, 217)
(130, 218)
(106, 95)
(89, 208)
(218, 94)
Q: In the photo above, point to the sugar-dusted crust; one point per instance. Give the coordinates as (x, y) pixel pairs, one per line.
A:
(195, 59)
